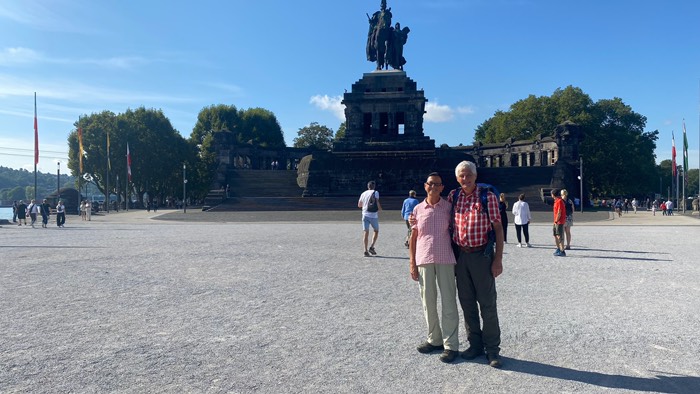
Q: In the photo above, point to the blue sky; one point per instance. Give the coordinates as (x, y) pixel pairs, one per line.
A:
(471, 57)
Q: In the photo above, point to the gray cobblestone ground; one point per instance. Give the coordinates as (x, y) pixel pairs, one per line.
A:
(244, 304)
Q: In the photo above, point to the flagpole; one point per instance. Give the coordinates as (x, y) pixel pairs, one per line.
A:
(128, 175)
(36, 147)
(107, 193)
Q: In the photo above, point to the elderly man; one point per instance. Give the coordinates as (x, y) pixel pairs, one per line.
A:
(478, 264)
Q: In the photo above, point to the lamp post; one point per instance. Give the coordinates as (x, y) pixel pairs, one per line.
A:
(184, 187)
(58, 181)
(580, 178)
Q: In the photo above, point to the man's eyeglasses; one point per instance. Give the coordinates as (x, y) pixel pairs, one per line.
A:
(430, 184)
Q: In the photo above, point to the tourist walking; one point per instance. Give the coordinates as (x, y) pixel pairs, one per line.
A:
(45, 210)
(569, 206)
(14, 211)
(559, 221)
(669, 208)
(407, 209)
(521, 211)
(502, 209)
(60, 214)
(33, 210)
(634, 204)
(432, 265)
(21, 213)
(88, 210)
(369, 203)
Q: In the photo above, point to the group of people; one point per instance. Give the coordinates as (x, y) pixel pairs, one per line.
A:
(456, 249)
(563, 221)
(665, 207)
(20, 212)
(86, 210)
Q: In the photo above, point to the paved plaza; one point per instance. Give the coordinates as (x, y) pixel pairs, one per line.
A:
(281, 302)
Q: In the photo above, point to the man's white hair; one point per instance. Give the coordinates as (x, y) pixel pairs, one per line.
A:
(465, 165)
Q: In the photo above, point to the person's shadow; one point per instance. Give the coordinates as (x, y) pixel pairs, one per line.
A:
(680, 384)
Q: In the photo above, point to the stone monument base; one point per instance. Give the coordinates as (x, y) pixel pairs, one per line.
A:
(395, 172)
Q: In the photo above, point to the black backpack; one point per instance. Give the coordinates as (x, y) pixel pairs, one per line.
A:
(372, 204)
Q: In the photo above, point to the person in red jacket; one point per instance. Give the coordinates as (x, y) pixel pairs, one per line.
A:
(559, 221)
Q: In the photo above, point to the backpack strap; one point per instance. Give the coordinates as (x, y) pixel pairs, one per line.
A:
(484, 196)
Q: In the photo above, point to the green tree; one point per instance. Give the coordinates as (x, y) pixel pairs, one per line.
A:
(157, 152)
(215, 118)
(260, 127)
(691, 187)
(314, 136)
(618, 153)
(341, 131)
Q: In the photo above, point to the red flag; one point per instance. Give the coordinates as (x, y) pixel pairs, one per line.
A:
(673, 154)
(128, 161)
(36, 135)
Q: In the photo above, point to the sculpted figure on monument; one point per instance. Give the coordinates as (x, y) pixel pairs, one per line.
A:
(394, 57)
(378, 35)
(385, 43)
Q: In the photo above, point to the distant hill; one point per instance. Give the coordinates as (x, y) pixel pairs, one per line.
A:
(14, 183)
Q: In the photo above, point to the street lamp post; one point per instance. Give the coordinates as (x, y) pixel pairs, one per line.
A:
(580, 177)
(58, 181)
(184, 188)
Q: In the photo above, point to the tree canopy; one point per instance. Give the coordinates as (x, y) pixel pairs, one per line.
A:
(618, 154)
(157, 152)
(314, 136)
(254, 126)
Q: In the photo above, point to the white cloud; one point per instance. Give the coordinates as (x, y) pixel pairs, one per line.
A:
(331, 104)
(468, 110)
(236, 90)
(56, 15)
(79, 92)
(437, 113)
(18, 55)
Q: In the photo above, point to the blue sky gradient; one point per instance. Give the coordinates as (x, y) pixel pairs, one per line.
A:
(471, 57)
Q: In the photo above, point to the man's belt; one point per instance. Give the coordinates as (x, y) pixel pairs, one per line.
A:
(470, 249)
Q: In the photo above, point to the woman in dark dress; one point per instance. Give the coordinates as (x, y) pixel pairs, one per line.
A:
(503, 208)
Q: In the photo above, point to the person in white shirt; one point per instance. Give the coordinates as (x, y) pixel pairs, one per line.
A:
(369, 203)
(33, 210)
(669, 207)
(60, 214)
(521, 211)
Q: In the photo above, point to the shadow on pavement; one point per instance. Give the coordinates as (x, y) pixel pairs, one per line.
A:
(680, 384)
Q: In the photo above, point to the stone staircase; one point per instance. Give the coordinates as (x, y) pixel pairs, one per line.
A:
(267, 190)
